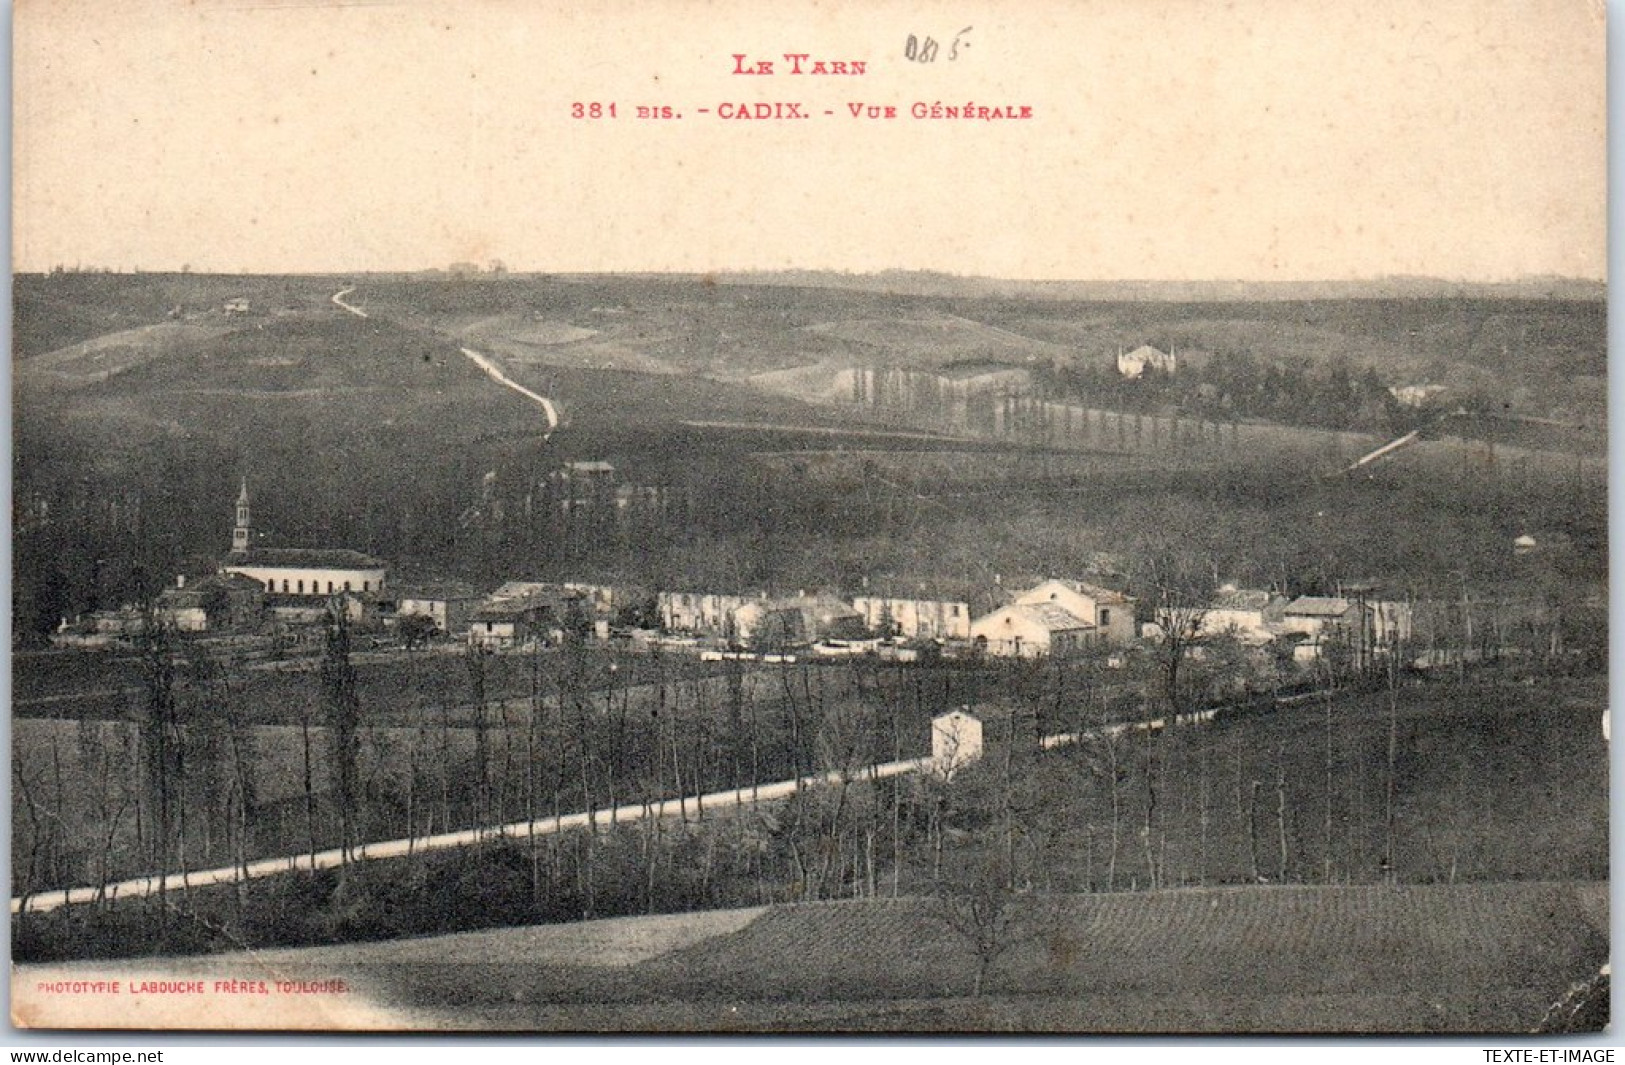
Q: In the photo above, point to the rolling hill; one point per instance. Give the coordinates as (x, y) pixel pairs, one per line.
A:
(1428, 958)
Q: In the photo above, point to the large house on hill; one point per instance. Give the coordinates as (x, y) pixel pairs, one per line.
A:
(1135, 363)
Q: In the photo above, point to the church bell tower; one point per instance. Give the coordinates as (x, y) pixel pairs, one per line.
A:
(240, 533)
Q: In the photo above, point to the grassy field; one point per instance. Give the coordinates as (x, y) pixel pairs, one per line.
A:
(1463, 958)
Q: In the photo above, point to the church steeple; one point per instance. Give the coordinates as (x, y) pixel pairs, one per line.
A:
(241, 534)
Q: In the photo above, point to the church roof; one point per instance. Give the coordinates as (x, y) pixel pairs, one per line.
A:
(305, 558)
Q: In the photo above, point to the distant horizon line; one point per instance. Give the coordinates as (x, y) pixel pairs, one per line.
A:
(487, 271)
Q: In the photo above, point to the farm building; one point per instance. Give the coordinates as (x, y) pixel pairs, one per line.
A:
(448, 603)
(801, 619)
(765, 623)
(1415, 395)
(1031, 630)
(1316, 616)
(1111, 613)
(1247, 614)
(520, 620)
(228, 601)
(585, 487)
(1134, 363)
(914, 619)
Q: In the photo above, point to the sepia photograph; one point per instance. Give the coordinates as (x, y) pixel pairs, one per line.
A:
(700, 517)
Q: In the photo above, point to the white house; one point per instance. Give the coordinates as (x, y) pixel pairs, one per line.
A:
(1245, 613)
(702, 613)
(915, 619)
(1031, 630)
(956, 740)
(1111, 613)
(1135, 363)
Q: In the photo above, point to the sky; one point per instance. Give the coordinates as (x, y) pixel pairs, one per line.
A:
(1263, 140)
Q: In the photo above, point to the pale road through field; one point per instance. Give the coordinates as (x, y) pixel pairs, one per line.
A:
(338, 298)
(684, 807)
(689, 806)
(483, 362)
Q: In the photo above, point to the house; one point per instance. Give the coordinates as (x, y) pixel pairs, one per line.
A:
(699, 613)
(599, 600)
(1134, 364)
(1245, 613)
(914, 619)
(237, 305)
(228, 601)
(448, 604)
(956, 741)
(521, 620)
(1317, 616)
(1111, 613)
(794, 620)
(764, 623)
(1031, 630)
(1415, 396)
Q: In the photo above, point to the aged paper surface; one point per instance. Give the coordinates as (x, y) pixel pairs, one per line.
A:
(667, 404)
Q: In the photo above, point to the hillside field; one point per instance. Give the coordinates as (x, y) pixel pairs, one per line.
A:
(1439, 959)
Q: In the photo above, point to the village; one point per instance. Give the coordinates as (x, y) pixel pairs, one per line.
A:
(284, 598)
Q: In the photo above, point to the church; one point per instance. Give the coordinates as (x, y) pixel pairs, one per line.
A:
(295, 575)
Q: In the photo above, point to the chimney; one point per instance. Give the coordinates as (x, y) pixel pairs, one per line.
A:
(180, 580)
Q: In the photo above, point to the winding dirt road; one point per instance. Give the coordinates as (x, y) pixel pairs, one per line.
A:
(484, 362)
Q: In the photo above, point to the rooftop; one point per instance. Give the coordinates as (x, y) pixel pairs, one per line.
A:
(1094, 591)
(1051, 617)
(1242, 599)
(1318, 606)
(435, 590)
(305, 558)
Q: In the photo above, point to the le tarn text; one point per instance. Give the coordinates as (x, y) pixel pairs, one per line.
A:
(806, 64)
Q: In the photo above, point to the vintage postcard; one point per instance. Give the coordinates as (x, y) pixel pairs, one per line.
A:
(885, 517)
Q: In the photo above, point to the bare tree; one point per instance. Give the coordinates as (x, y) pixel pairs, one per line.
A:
(162, 744)
(981, 907)
(342, 709)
